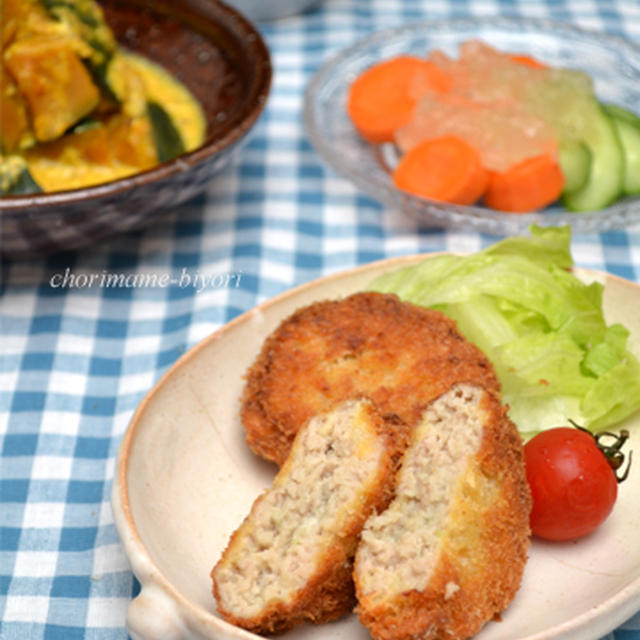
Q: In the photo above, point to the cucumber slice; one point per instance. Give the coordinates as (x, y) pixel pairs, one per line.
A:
(616, 111)
(166, 136)
(604, 184)
(575, 161)
(628, 126)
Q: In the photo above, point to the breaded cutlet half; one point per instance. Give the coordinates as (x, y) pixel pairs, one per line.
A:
(368, 344)
(291, 559)
(449, 552)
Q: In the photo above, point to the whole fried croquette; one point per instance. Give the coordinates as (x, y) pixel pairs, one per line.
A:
(291, 560)
(448, 553)
(398, 354)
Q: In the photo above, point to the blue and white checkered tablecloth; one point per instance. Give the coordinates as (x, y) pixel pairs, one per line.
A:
(77, 358)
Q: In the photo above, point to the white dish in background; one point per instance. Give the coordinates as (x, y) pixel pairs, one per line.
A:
(185, 479)
(613, 63)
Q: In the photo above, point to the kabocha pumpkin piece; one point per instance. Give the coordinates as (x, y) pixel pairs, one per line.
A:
(15, 132)
(85, 19)
(45, 57)
(168, 142)
(157, 136)
(103, 150)
(54, 82)
(116, 146)
(133, 142)
(15, 177)
(82, 21)
(20, 18)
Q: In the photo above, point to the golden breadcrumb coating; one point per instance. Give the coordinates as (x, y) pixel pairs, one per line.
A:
(291, 560)
(449, 552)
(368, 344)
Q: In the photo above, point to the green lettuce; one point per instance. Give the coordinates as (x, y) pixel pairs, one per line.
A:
(543, 329)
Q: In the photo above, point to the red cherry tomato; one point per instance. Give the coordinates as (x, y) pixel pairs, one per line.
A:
(573, 486)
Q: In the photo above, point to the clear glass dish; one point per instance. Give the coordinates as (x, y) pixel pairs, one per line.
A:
(612, 62)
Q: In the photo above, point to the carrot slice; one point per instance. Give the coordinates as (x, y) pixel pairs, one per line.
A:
(529, 61)
(445, 168)
(383, 97)
(531, 184)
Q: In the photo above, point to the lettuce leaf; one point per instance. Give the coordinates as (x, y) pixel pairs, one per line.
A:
(543, 329)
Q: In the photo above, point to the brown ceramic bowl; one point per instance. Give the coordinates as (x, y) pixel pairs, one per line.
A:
(222, 59)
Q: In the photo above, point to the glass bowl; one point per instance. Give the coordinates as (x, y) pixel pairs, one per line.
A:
(612, 62)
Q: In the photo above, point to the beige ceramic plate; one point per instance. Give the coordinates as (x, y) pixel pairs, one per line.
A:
(185, 479)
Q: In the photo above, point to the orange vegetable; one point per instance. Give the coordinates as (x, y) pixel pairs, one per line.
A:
(120, 140)
(529, 61)
(14, 122)
(54, 82)
(531, 184)
(445, 168)
(131, 141)
(383, 97)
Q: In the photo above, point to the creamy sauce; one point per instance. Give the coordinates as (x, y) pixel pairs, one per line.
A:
(161, 87)
(61, 176)
(68, 169)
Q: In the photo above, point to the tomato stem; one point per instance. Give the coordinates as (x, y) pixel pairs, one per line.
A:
(613, 451)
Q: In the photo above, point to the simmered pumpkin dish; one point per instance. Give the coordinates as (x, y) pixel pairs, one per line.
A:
(76, 109)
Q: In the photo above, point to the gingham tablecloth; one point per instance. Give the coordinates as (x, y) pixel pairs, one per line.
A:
(78, 356)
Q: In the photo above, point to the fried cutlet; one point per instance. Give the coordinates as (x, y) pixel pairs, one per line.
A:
(291, 559)
(398, 354)
(449, 552)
